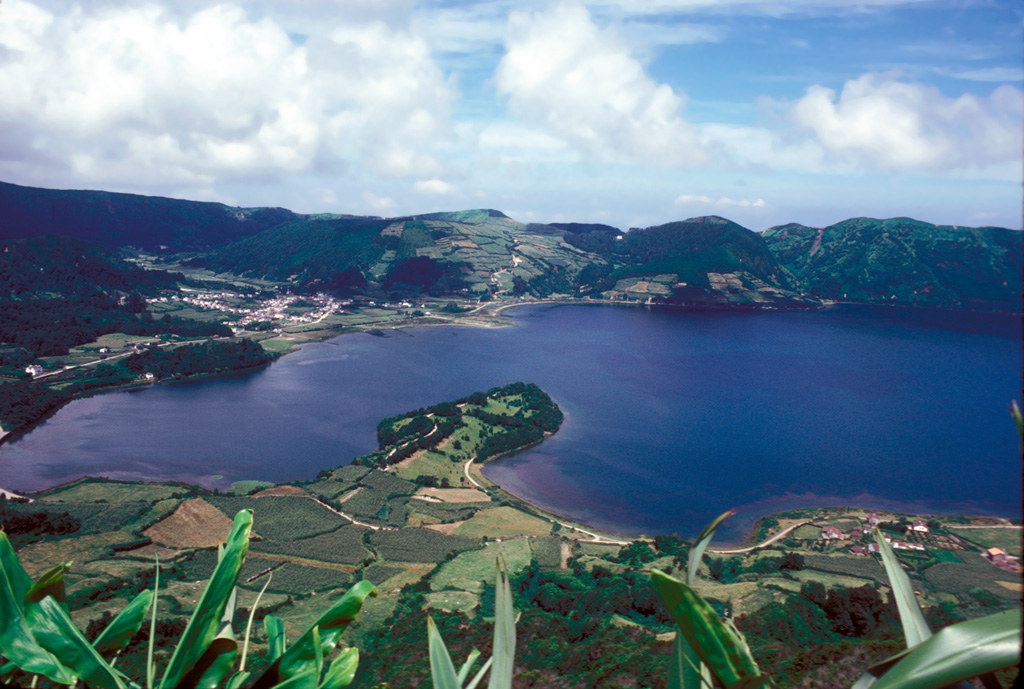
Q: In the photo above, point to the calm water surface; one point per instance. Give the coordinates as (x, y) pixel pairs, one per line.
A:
(671, 417)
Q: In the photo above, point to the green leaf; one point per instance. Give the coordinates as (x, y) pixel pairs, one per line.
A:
(342, 670)
(697, 552)
(248, 626)
(958, 652)
(16, 639)
(303, 680)
(504, 652)
(122, 628)
(53, 629)
(685, 669)
(237, 680)
(915, 628)
(51, 583)
(442, 671)
(203, 625)
(714, 642)
(467, 666)
(479, 674)
(219, 656)
(276, 636)
(301, 656)
(17, 578)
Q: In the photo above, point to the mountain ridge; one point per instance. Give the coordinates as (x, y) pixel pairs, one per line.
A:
(701, 262)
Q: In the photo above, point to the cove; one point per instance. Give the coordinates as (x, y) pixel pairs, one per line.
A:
(671, 417)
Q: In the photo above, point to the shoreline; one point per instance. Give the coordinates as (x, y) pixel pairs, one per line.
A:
(490, 315)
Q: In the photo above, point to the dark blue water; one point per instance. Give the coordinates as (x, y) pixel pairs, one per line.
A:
(671, 418)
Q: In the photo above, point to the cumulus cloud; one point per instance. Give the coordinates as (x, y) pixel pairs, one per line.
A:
(434, 186)
(896, 125)
(581, 84)
(723, 202)
(127, 93)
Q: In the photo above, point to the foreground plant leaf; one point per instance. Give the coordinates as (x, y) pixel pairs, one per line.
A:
(703, 539)
(717, 646)
(915, 628)
(342, 670)
(52, 627)
(958, 652)
(504, 653)
(276, 636)
(17, 643)
(442, 670)
(122, 628)
(205, 621)
(318, 641)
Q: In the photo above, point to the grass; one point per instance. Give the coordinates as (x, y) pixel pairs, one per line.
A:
(430, 463)
(848, 565)
(344, 546)
(469, 571)
(418, 545)
(1007, 539)
(501, 522)
(974, 571)
(111, 491)
(548, 551)
(830, 579)
(301, 580)
(283, 518)
(452, 601)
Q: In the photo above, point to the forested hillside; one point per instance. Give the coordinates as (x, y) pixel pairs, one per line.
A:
(115, 220)
(904, 261)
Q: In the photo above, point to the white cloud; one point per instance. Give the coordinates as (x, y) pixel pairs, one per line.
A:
(132, 94)
(895, 125)
(581, 84)
(723, 202)
(435, 186)
(380, 205)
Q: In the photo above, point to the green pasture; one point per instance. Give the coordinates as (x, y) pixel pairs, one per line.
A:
(1007, 539)
(502, 522)
(469, 571)
(110, 491)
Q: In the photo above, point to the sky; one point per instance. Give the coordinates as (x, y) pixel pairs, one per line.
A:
(626, 112)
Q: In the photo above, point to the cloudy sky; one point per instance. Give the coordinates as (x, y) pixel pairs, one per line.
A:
(629, 112)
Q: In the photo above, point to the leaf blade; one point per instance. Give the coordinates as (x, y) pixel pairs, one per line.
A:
(958, 652)
(205, 621)
(915, 628)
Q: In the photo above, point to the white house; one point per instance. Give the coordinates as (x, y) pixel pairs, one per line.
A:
(34, 370)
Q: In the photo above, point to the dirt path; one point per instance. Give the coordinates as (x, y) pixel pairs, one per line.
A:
(732, 551)
(351, 518)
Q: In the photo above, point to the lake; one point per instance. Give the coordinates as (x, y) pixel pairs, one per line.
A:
(671, 417)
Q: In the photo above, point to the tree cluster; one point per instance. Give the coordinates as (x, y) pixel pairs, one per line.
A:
(218, 356)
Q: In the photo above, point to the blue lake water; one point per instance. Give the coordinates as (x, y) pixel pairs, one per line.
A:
(671, 417)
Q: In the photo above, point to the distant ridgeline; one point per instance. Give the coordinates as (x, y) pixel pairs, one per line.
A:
(705, 262)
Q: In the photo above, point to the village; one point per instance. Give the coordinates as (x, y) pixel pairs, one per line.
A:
(917, 535)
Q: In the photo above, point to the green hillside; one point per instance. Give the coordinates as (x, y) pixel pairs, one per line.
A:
(115, 220)
(475, 251)
(904, 261)
(702, 261)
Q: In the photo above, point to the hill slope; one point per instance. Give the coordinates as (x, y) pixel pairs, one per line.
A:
(701, 261)
(115, 220)
(904, 261)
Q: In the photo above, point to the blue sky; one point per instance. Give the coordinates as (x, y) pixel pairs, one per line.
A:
(629, 112)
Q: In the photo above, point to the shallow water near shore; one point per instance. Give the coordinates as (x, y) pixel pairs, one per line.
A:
(671, 417)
